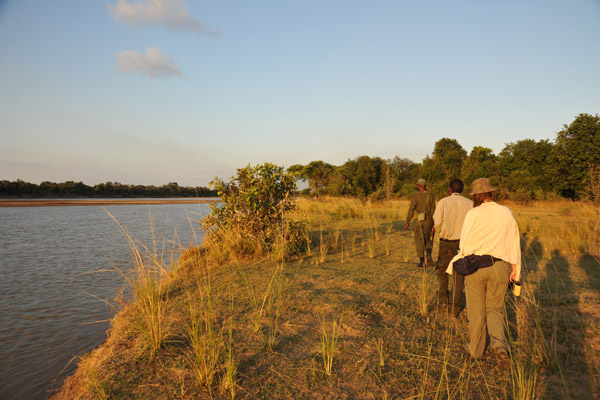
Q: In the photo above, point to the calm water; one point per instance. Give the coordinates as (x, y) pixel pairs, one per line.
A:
(51, 290)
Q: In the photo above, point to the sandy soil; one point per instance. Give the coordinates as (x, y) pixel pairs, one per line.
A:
(98, 202)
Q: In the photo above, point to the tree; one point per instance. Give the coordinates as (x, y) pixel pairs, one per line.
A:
(527, 165)
(444, 164)
(366, 178)
(481, 163)
(295, 170)
(360, 177)
(317, 173)
(172, 189)
(578, 146)
(403, 172)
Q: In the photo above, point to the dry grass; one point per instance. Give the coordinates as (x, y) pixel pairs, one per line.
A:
(268, 317)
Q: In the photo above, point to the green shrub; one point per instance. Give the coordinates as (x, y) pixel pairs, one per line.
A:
(250, 218)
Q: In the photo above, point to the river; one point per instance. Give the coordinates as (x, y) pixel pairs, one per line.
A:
(59, 282)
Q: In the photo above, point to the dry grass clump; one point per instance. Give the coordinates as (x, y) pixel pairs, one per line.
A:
(271, 326)
(564, 225)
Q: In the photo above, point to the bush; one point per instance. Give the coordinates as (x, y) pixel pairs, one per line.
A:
(250, 217)
(378, 195)
(522, 197)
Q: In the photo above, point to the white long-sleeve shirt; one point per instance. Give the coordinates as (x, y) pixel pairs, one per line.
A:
(449, 216)
(490, 229)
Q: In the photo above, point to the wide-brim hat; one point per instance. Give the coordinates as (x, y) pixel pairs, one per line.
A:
(482, 185)
(421, 182)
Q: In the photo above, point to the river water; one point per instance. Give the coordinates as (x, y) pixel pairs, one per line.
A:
(58, 282)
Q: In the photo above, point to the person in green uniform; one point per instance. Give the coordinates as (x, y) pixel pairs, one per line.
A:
(423, 204)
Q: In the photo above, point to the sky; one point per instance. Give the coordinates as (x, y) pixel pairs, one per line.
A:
(156, 91)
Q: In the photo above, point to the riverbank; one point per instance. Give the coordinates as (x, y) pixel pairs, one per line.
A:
(101, 202)
(265, 328)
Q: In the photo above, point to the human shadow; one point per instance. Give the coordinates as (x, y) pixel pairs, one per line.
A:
(591, 265)
(532, 251)
(560, 338)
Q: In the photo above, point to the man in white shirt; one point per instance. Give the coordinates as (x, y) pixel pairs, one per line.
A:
(448, 221)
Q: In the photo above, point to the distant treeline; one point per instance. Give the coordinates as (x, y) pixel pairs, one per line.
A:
(20, 188)
(524, 170)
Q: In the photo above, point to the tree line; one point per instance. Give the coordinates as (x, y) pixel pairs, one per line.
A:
(524, 170)
(20, 188)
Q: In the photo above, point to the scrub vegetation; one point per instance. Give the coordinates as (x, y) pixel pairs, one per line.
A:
(344, 312)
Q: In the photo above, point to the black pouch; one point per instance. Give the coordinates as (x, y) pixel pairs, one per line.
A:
(469, 264)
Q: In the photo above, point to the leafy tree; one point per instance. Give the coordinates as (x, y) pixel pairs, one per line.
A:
(296, 171)
(481, 163)
(444, 164)
(365, 175)
(172, 189)
(403, 171)
(317, 173)
(527, 165)
(47, 188)
(360, 177)
(578, 147)
(339, 182)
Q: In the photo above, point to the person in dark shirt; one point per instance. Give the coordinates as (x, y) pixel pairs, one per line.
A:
(423, 204)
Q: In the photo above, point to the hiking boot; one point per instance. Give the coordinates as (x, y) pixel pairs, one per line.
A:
(429, 259)
(502, 356)
(420, 264)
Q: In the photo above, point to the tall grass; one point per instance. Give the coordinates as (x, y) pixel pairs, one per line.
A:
(267, 305)
(329, 343)
(149, 270)
(323, 248)
(574, 221)
(228, 383)
(205, 338)
(273, 308)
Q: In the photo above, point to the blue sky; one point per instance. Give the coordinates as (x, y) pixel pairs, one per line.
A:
(157, 91)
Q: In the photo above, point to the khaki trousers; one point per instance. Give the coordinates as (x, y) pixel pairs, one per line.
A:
(485, 291)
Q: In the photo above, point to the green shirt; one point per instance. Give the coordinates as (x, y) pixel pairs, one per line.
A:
(422, 202)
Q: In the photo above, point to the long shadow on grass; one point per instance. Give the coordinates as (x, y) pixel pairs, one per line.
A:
(562, 330)
(533, 251)
(591, 266)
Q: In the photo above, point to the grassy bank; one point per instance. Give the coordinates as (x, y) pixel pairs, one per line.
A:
(351, 318)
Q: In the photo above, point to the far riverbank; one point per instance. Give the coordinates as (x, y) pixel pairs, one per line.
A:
(103, 202)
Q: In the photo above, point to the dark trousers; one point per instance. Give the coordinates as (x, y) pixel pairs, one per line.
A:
(448, 249)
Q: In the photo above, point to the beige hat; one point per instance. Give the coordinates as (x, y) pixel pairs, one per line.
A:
(482, 185)
(421, 182)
